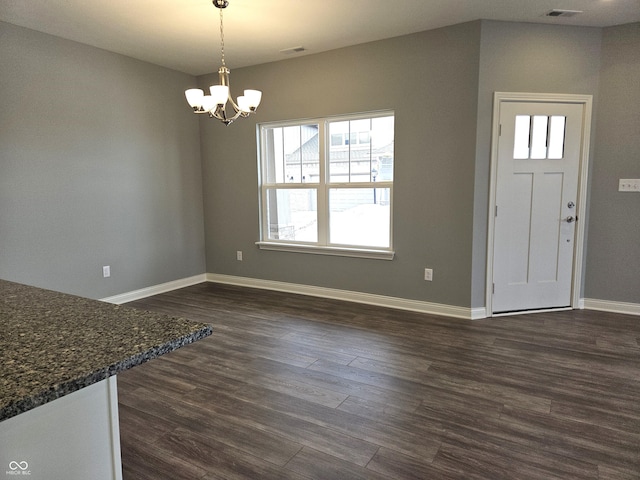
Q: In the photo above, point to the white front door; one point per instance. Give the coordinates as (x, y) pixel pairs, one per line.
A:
(536, 204)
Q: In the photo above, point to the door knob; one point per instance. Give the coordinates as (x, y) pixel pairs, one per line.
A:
(571, 219)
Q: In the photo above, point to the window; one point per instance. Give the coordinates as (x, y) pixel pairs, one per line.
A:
(327, 185)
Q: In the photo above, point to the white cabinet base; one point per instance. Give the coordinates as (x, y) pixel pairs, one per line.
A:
(76, 437)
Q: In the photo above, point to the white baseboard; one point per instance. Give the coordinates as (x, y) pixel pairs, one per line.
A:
(466, 313)
(613, 307)
(350, 296)
(155, 290)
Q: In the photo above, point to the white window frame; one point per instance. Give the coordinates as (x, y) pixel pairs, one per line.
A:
(322, 246)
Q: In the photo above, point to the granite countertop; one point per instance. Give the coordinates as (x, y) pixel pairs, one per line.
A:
(52, 344)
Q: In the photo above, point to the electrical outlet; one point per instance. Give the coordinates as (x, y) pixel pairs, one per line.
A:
(629, 185)
(239, 255)
(428, 274)
(106, 271)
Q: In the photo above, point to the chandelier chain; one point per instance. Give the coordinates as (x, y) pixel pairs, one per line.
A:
(222, 39)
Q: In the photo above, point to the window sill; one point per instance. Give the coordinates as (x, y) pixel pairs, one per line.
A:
(337, 251)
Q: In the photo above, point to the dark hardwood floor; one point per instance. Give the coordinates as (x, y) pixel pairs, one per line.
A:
(295, 387)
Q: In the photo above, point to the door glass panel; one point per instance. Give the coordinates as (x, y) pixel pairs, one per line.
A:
(521, 139)
(556, 137)
(539, 137)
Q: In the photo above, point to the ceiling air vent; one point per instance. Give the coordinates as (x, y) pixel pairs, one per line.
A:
(556, 12)
(289, 51)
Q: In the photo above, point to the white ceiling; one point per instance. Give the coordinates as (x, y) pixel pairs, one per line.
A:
(184, 34)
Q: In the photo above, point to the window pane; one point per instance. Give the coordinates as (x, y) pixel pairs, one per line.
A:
(273, 153)
(359, 154)
(292, 214)
(293, 163)
(521, 137)
(366, 155)
(556, 137)
(539, 137)
(339, 152)
(291, 154)
(382, 140)
(310, 146)
(360, 216)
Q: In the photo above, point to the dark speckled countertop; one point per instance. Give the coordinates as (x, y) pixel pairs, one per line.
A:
(52, 344)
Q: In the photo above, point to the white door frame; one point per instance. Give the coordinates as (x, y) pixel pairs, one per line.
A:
(586, 101)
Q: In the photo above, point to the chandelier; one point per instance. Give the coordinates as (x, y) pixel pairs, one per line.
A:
(216, 103)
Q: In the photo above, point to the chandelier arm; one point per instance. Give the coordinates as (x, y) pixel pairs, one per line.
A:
(220, 114)
(235, 107)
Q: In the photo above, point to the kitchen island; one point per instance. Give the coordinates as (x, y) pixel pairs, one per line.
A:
(59, 355)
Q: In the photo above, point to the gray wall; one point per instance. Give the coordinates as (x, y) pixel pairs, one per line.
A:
(430, 79)
(613, 260)
(442, 150)
(521, 57)
(100, 161)
(99, 165)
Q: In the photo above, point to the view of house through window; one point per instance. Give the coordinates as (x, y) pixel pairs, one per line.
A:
(328, 182)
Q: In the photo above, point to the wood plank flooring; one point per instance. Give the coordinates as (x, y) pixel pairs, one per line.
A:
(295, 387)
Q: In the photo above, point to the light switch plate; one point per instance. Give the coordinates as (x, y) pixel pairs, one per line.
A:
(629, 185)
